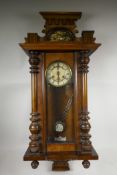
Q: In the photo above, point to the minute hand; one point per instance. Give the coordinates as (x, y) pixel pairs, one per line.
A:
(58, 76)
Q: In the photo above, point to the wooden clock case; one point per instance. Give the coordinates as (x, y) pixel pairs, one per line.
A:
(59, 44)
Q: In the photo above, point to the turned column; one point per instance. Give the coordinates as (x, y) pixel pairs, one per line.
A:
(84, 123)
(35, 129)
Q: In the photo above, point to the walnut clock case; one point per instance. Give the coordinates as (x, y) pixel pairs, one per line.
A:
(60, 128)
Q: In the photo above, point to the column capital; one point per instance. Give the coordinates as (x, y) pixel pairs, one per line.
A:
(84, 60)
(34, 61)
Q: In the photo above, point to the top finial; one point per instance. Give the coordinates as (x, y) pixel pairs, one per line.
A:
(60, 25)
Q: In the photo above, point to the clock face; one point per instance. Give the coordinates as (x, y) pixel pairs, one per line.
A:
(58, 74)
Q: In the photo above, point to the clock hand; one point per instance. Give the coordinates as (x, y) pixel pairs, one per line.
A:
(58, 76)
(58, 66)
(58, 73)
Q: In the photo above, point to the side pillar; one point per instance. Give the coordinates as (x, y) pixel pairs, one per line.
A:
(84, 118)
(35, 129)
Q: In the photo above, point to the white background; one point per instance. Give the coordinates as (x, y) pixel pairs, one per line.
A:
(16, 19)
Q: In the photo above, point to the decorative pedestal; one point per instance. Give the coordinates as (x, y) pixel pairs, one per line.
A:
(60, 166)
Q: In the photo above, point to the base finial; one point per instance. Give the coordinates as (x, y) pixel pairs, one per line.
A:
(34, 164)
(86, 164)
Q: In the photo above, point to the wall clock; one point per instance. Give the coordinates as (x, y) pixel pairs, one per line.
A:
(60, 128)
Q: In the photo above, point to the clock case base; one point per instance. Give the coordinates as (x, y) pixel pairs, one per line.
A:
(60, 159)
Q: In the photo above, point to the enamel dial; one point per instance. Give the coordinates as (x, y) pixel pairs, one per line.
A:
(58, 74)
